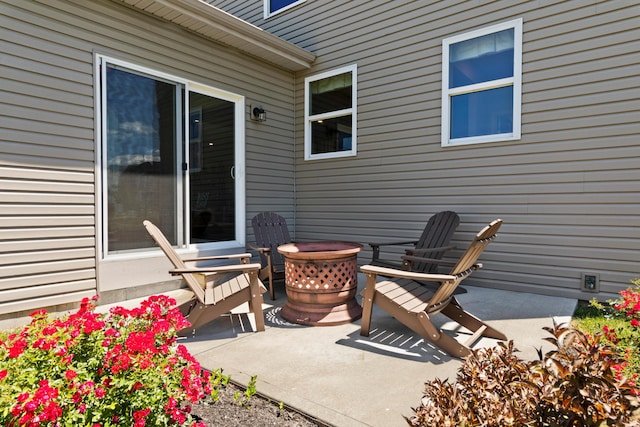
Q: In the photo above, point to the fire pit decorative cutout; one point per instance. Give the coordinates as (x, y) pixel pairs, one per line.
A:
(321, 281)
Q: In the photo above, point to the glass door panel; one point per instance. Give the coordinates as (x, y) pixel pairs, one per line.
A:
(141, 172)
(212, 193)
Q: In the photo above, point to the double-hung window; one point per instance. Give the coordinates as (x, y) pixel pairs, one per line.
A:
(481, 85)
(272, 7)
(330, 114)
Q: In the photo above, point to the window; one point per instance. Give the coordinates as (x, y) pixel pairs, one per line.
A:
(481, 85)
(330, 114)
(272, 7)
(171, 153)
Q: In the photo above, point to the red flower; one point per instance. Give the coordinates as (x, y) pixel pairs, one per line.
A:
(146, 363)
(17, 348)
(141, 342)
(139, 417)
(99, 392)
(38, 313)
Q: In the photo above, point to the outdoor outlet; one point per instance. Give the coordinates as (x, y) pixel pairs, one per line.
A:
(590, 282)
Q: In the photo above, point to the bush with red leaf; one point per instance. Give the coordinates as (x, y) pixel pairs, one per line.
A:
(574, 385)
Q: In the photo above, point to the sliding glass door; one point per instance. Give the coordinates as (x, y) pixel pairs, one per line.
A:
(169, 155)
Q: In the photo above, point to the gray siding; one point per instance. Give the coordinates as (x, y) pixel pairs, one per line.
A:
(568, 191)
(48, 191)
(47, 236)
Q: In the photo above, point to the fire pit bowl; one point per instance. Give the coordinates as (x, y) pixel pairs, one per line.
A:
(321, 281)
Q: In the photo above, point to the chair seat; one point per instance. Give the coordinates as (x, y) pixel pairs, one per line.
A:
(407, 294)
(222, 291)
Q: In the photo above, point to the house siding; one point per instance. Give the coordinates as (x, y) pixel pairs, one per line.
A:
(48, 186)
(568, 190)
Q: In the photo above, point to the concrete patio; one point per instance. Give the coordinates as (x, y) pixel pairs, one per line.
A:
(343, 379)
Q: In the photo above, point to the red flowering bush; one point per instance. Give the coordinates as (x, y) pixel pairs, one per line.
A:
(124, 368)
(620, 327)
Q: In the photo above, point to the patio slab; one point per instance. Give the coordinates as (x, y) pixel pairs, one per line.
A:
(346, 380)
(343, 379)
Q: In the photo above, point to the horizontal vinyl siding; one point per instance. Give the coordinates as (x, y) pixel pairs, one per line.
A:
(48, 202)
(47, 236)
(568, 191)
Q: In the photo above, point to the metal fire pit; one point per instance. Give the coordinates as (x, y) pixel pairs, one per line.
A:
(321, 281)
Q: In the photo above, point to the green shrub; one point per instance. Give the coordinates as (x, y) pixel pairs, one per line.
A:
(573, 385)
(618, 321)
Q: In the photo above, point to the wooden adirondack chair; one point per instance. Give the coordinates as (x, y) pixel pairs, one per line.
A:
(216, 289)
(400, 295)
(433, 244)
(271, 231)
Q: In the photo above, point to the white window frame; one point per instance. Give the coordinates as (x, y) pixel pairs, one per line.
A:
(182, 180)
(308, 119)
(267, 8)
(515, 81)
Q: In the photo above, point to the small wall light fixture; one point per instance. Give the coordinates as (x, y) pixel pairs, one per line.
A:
(258, 114)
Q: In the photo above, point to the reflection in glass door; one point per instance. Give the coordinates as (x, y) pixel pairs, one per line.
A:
(140, 158)
(212, 194)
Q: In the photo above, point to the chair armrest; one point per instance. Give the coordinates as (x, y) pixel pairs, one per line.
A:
(476, 266)
(244, 268)
(218, 257)
(428, 250)
(408, 242)
(375, 256)
(259, 249)
(392, 272)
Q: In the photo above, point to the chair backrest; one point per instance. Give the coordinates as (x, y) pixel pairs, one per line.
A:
(270, 231)
(476, 247)
(465, 264)
(437, 233)
(175, 259)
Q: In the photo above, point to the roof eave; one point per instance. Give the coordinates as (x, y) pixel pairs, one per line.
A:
(216, 24)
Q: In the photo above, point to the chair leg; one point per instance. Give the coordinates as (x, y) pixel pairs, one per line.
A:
(367, 304)
(269, 267)
(272, 291)
(255, 303)
(197, 314)
(441, 339)
(191, 312)
(455, 312)
(267, 274)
